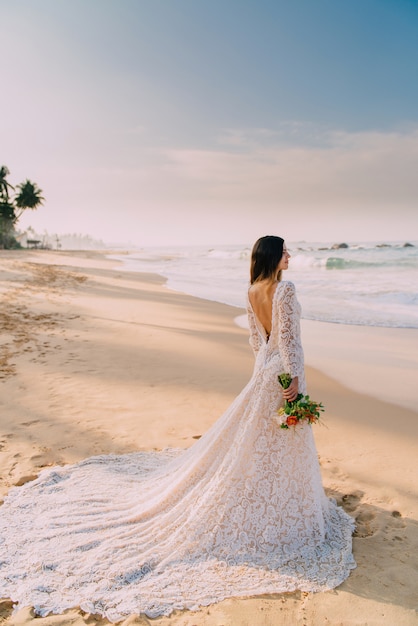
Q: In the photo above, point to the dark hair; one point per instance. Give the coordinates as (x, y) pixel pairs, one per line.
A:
(265, 257)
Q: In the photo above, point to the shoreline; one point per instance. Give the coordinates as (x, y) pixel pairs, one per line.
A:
(95, 360)
(349, 352)
(360, 287)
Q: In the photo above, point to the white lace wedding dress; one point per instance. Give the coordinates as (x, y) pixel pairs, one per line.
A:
(241, 512)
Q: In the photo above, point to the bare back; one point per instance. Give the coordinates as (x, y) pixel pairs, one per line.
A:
(261, 295)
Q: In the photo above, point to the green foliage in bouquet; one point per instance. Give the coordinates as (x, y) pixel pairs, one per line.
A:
(303, 408)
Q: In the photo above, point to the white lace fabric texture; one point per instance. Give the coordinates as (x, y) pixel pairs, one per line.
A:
(242, 512)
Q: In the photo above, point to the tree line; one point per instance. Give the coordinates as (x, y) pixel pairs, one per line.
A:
(13, 201)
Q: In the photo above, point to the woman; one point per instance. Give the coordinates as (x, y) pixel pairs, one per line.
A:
(241, 512)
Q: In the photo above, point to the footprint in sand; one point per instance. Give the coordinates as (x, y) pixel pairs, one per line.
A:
(6, 609)
(350, 501)
(365, 522)
(395, 521)
(29, 423)
(25, 479)
(44, 459)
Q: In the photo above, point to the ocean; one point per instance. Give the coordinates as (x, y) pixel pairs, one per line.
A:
(371, 284)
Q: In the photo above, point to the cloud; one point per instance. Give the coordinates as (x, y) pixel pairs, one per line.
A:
(357, 186)
(349, 170)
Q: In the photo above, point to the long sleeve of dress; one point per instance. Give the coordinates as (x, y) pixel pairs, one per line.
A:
(254, 339)
(289, 342)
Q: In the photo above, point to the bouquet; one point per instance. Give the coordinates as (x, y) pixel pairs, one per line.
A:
(303, 408)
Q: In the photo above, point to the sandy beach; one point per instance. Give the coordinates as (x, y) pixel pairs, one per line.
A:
(94, 360)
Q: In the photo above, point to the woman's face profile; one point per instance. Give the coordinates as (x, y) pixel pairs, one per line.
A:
(284, 261)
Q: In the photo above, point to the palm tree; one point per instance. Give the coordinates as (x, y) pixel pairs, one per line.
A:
(29, 196)
(7, 211)
(4, 184)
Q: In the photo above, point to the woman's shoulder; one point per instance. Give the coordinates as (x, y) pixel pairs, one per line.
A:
(285, 287)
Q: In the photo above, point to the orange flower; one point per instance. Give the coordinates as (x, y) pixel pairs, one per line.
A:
(292, 420)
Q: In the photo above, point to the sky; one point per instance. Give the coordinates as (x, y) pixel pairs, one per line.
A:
(156, 122)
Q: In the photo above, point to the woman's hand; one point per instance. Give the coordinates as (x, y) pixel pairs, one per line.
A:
(291, 393)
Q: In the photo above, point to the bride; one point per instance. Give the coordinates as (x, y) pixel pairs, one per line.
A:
(241, 512)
